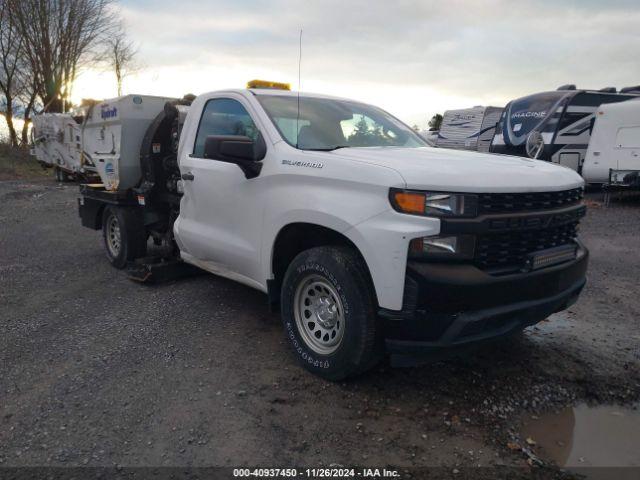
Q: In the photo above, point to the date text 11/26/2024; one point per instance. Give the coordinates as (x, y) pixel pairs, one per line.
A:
(315, 473)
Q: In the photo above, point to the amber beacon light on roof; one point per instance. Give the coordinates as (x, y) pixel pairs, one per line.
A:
(268, 84)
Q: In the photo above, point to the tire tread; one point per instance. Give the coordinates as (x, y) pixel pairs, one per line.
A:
(370, 346)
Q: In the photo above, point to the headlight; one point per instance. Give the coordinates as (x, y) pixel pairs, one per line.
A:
(448, 247)
(435, 204)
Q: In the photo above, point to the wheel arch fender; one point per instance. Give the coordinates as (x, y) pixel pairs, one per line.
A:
(296, 235)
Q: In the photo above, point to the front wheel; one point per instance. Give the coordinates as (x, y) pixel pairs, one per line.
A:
(124, 236)
(328, 310)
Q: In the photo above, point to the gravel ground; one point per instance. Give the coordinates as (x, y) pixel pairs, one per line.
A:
(99, 371)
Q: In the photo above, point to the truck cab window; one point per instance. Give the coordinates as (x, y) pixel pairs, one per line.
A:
(223, 116)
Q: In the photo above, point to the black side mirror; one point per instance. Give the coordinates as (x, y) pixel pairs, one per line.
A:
(237, 149)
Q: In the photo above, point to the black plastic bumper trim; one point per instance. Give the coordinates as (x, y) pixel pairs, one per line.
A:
(515, 316)
(454, 305)
(447, 288)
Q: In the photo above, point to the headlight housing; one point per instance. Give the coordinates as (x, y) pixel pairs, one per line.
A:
(445, 247)
(434, 204)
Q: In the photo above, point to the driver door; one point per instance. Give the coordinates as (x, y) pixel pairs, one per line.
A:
(221, 211)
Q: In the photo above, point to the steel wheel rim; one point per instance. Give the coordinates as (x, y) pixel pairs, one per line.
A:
(113, 236)
(319, 314)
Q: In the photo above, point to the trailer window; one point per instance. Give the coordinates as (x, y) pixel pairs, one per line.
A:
(628, 137)
(526, 114)
(223, 116)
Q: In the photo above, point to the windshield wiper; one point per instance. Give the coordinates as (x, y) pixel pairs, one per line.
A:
(327, 149)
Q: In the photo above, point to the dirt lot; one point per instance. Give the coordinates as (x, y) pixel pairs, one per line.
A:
(97, 370)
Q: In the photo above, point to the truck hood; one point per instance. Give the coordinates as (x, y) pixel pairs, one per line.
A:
(440, 169)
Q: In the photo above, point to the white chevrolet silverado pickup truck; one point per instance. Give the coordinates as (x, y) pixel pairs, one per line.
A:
(367, 240)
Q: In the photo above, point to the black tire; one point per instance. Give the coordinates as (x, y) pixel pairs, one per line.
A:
(344, 272)
(132, 236)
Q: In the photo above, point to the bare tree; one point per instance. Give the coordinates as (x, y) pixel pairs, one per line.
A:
(10, 64)
(60, 36)
(121, 56)
(28, 99)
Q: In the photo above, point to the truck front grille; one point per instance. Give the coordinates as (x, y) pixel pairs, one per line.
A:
(507, 251)
(490, 203)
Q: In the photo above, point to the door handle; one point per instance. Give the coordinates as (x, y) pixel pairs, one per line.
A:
(188, 176)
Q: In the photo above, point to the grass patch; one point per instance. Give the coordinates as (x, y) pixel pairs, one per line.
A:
(17, 164)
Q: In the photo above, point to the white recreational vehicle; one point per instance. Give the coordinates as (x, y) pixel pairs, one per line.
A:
(468, 128)
(56, 143)
(613, 156)
(554, 126)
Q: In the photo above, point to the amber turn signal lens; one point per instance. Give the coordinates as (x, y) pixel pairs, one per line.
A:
(410, 202)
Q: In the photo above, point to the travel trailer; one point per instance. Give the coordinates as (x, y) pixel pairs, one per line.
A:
(468, 128)
(56, 143)
(554, 126)
(613, 156)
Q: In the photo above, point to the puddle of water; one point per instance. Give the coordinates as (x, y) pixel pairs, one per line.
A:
(584, 437)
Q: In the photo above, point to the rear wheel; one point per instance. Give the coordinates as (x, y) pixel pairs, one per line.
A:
(124, 236)
(328, 311)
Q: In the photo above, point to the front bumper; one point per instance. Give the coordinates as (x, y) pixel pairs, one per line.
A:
(448, 306)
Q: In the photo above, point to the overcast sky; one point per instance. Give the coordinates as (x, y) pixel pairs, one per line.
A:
(413, 58)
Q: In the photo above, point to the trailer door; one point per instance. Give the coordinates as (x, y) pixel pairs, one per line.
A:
(628, 145)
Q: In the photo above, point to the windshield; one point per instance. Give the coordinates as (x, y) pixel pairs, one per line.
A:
(529, 113)
(328, 124)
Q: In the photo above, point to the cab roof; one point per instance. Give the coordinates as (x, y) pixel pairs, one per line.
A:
(283, 93)
(289, 93)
